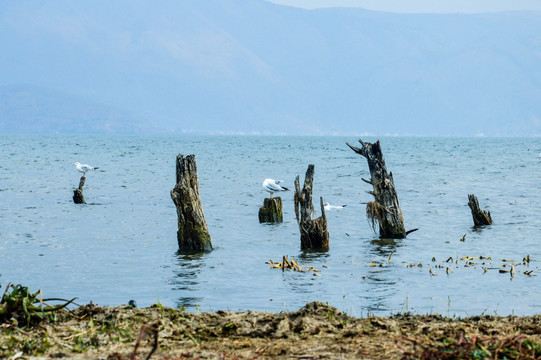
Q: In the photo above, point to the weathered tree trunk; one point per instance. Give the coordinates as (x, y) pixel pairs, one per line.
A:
(480, 217)
(385, 208)
(271, 211)
(193, 234)
(78, 197)
(314, 234)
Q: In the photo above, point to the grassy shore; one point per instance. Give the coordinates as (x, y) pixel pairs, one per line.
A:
(317, 331)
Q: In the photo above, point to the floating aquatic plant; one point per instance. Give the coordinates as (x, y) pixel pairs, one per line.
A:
(287, 264)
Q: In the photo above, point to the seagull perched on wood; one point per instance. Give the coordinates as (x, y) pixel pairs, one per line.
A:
(330, 207)
(272, 186)
(83, 167)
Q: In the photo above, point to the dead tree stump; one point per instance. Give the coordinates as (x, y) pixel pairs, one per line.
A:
(314, 234)
(78, 197)
(480, 217)
(193, 234)
(385, 207)
(271, 211)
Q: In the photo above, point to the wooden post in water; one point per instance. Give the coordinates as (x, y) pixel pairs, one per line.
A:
(480, 217)
(385, 207)
(78, 197)
(314, 234)
(271, 211)
(193, 234)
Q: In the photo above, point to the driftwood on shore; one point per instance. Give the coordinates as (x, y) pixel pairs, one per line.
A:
(480, 217)
(385, 209)
(78, 197)
(314, 234)
(192, 234)
(271, 211)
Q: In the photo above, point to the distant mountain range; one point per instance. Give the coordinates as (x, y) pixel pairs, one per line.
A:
(253, 67)
(34, 110)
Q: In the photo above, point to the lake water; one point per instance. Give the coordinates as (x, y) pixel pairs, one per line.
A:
(122, 245)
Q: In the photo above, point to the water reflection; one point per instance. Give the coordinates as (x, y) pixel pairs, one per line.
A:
(478, 228)
(313, 255)
(185, 280)
(385, 247)
(381, 279)
(306, 282)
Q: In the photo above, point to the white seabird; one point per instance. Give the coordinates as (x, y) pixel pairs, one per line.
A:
(272, 186)
(84, 167)
(330, 207)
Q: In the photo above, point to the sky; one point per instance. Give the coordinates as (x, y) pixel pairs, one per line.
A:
(422, 6)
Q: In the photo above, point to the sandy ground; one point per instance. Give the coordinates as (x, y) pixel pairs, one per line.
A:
(317, 331)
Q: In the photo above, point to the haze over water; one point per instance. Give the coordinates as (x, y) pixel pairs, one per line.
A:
(122, 245)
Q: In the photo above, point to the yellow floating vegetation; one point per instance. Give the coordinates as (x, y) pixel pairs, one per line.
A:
(506, 266)
(413, 265)
(287, 264)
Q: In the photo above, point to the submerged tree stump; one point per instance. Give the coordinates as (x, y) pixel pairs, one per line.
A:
(271, 211)
(314, 234)
(385, 208)
(193, 234)
(480, 217)
(78, 197)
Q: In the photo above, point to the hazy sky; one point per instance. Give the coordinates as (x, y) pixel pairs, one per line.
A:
(422, 6)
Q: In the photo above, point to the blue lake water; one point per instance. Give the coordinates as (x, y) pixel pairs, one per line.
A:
(122, 245)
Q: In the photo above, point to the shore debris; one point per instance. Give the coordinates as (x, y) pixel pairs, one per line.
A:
(23, 307)
(315, 331)
(514, 347)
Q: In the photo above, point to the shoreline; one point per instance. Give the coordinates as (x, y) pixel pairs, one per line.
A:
(316, 331)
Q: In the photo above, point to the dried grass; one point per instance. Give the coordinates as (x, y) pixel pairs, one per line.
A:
(375, 212)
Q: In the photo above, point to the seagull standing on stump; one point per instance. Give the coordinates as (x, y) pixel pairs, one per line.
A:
(272, 186)
(84, 167)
